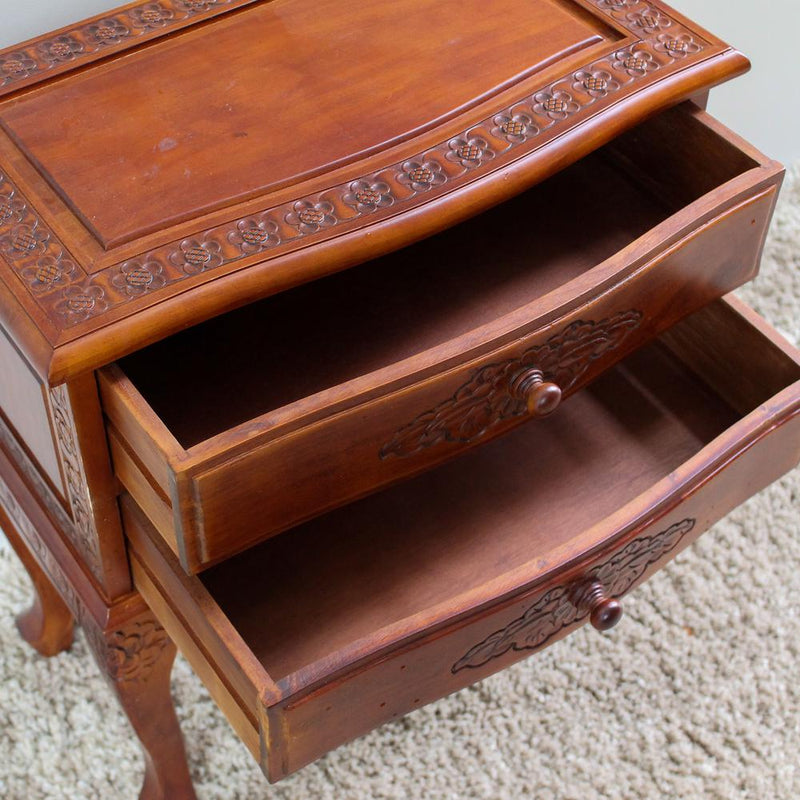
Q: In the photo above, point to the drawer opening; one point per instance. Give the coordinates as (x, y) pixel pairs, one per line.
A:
(322, 335)
(316, 598)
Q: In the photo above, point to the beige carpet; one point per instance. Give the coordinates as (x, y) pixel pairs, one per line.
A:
(695, 695)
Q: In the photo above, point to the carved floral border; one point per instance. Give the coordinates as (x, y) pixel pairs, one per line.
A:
(69, 296)
(84, 533)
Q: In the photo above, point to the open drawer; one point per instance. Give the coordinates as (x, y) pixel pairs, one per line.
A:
(363, 614)
(241, 427)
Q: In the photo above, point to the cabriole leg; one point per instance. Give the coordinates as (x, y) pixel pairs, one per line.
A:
(48, 624)
(136, 658)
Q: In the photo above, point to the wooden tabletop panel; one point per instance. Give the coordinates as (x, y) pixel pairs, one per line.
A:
(169, 161)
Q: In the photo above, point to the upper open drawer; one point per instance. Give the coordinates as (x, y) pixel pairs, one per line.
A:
(246, 425)
(145, 188)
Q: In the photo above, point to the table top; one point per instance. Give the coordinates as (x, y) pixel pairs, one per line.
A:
(170, 161)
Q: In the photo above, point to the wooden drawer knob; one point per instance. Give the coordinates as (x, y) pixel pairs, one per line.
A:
(542, 397)
(604, 611)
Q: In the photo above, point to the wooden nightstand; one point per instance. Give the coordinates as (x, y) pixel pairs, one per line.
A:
(281, 282)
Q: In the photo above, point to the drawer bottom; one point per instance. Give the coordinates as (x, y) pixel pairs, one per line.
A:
(324, 632)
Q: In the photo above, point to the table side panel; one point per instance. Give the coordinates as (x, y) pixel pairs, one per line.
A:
(23, 402)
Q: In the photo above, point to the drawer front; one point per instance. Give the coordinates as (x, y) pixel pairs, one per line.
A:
(228, 621)
(304, 727)
(241, 494)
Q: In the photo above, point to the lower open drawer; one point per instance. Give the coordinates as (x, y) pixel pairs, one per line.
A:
(357, 617)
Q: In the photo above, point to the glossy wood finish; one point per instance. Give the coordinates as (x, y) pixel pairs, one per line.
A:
(593, 597)
(470, 125)
(463, 579)
(305, 63)
(433, 367)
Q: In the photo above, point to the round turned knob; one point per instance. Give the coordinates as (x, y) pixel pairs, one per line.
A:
(604, 611)
(542, 397)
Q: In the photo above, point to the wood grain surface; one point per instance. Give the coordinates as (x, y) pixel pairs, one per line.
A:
(282, 97)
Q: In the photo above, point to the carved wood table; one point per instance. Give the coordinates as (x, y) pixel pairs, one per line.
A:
(361, 349)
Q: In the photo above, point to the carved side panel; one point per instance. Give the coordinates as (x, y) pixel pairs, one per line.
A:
(484, 400)
(555, 610)
(43, 555)
(26, 467)
(84, 532)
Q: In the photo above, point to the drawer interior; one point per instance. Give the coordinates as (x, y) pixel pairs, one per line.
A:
(309, 598)
(323, 334)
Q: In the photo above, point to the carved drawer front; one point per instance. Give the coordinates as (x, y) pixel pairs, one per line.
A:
(359, 616)
(401, 364)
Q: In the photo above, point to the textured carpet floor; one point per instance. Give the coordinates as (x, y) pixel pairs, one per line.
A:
(695, 695)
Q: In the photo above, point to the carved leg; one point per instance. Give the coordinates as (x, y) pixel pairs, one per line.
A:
(48, 624)
(136, 658)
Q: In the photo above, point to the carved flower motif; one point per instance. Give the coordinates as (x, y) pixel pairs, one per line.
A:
(132, 654)
(80, 302)
(470, 151)
(596, 83)
(15, 66)
(194, 256)
(556, 105)
(310, 217)
(366, 196)
(636, 62)
(24, 240)
(514, 128)
(253, 234)
(650, 20)
(136, 277)
(677, 46)
(49, 271)
(196, 6)
(151, 15)
(107, 31)
(421, 175)
(11, 209)
(616, 5)
(62, 48)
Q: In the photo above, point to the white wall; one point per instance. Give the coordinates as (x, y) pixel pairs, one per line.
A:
(763, 106)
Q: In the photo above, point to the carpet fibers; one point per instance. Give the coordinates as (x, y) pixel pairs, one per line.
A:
(695, 695)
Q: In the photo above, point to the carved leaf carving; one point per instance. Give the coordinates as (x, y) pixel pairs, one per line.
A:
(484, 401)
(555, 610)
(83, 533)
